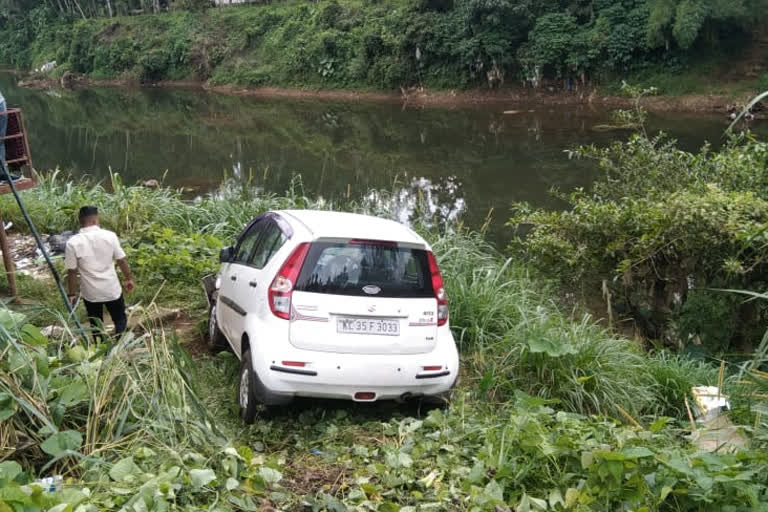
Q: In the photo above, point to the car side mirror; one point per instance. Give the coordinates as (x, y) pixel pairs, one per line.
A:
(226, 254)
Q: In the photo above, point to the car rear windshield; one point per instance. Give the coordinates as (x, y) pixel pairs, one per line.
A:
(365, 269)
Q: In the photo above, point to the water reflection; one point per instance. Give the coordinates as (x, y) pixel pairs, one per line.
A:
(453, 160)
(421, 201)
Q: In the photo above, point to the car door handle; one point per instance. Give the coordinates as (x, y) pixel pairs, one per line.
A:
(252, 284)
(234, 278)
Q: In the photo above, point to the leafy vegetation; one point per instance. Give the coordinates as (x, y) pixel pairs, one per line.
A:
(399, 43)
(551, 413)
(658, 232)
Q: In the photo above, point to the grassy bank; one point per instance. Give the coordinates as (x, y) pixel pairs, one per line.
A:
(397, 44)
(553, 411)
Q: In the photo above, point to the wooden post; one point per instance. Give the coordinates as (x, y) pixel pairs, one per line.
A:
(10, 271)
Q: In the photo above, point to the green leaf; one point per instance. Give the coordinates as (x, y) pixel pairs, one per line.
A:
(14, 494)
(10, 319)
(9, 470)
(637, 452)
(124, 470)
(477, 473)
(269, 475)
(658, 425)
(77, 354)
(494, 491)
(232, 484)
(8, 406)
(62, 442)
(201, 477)
(32, 336)
(41, 364)
(71, 496)
(551, 346)
(556, 498)
(73, 393)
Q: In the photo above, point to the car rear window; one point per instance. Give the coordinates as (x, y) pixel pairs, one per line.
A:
(365, 269)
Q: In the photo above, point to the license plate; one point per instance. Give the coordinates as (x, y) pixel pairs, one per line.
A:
(368, 326)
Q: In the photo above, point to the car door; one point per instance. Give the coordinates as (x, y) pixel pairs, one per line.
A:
(251, 286)
(230, 309)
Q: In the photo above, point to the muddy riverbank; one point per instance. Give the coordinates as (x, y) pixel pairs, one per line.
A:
(700, 103)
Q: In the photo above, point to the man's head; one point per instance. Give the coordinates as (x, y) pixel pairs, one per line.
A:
(89, 216)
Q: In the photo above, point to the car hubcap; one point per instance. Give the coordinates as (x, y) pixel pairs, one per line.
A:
(244, 380)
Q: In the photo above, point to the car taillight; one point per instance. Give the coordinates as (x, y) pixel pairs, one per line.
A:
(282, 286)
(437, 286)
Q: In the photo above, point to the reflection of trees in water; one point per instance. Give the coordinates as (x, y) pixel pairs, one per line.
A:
(462, 159)
(422, 201)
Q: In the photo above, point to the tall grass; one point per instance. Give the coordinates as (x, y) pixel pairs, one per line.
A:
(104, 400)
(128, 209)
(515, 337)
(513, 334)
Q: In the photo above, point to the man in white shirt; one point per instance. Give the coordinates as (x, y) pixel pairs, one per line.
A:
(92, 253)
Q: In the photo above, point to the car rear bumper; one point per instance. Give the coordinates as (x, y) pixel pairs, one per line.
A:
(332, 375)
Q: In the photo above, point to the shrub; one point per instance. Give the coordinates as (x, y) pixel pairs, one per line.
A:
(154, 64)
(515, 338)
(660, 226)
(164, 254)
(711, 318)
(329, 15)
(80, 48)
(673, 376)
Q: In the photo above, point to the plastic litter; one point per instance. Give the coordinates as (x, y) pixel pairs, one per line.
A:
(715, 432)
(48, 66)
(709, 402)
(51, 483)
(315, 451)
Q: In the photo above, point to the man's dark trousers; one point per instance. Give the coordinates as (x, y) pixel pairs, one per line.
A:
(116, 309)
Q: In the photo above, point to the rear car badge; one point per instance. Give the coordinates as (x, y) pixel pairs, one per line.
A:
(371, 289)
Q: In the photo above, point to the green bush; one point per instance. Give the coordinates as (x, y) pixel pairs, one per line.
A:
(711, 318)
(154, 64)
(81, 47)
(514, 338)
(165, 255)
(661, 226)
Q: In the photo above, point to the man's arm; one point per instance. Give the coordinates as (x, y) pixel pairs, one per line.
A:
(70, 261)
(127, 277)
(72, 283)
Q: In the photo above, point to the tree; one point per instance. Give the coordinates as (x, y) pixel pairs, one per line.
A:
(684, 20)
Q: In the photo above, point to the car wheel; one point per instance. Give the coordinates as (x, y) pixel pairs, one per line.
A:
(216, 339)
(245, 394)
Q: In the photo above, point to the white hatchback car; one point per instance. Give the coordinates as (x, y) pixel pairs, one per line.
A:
(332, 305)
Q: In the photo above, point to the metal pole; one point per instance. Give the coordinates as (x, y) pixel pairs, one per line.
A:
(40, 246)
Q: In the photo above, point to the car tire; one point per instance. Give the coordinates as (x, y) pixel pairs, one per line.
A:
(246, 395)
(216, 339)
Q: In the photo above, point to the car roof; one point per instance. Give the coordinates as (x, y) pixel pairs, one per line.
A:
(329, 224)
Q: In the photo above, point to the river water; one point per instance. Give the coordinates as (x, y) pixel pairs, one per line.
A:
(464, 160)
